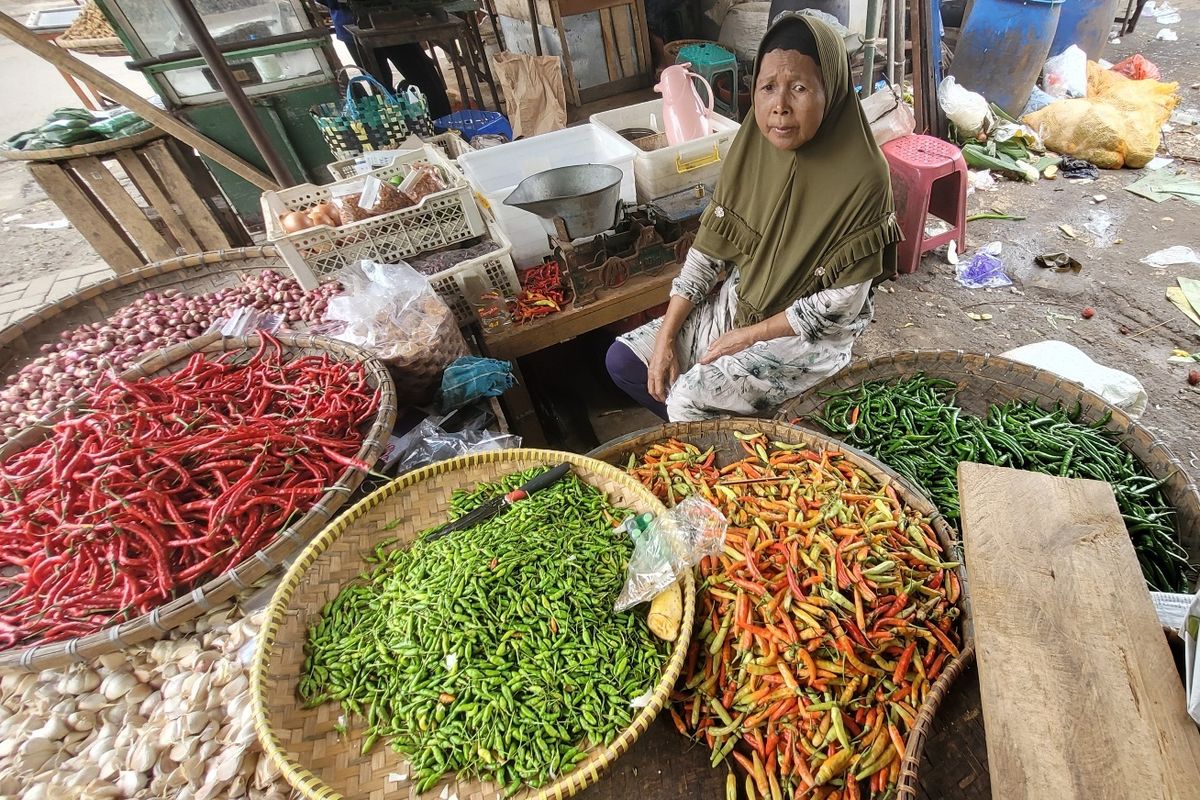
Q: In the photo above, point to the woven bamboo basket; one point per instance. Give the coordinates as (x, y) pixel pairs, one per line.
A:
(718, 434)
(985, 380)
(283, 546)
(108, 46)
(191, 274)
(303, 743)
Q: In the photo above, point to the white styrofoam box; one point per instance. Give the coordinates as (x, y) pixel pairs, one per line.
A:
(496, 171)
(676, 167)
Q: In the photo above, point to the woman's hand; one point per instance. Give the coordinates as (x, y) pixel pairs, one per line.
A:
(735, 341)
(663, 369)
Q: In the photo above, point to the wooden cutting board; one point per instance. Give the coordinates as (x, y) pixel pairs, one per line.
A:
(1080, 696)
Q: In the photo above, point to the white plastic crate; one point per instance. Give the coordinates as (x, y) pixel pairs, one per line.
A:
(496, 171)
(315, 254)
(675, 167)
(494, 269)
(451, 144)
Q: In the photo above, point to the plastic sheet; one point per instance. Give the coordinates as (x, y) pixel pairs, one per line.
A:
(666, 546)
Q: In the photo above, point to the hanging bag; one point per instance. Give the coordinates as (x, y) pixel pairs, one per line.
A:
(361, 124)
(416, 112)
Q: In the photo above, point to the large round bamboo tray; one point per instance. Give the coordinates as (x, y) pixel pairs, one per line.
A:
(718, 434)
(191, 274)
(303, 743)
(985, 380)
(283, 546)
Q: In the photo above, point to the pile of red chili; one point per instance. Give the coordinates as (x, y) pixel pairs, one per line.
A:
(163, 483)
(542, 293)
(822, 626)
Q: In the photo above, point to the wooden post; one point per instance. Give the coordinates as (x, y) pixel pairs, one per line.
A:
(134, 102)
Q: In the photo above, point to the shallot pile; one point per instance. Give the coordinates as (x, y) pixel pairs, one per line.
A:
(167, 481)
(165, 719)
(70, 367)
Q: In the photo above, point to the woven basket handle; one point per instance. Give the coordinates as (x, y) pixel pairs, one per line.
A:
(349, 108)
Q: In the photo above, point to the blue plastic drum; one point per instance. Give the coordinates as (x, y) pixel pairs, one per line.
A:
(1002, 48)
(1085, 23)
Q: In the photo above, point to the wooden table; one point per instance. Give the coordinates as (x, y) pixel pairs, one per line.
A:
(639, 294)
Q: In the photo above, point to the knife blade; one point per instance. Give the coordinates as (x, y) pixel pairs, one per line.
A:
(498, 505)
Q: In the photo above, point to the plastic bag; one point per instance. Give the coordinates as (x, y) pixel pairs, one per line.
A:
(470, 378)
(1117, 125)
(889, 116)
(393, 311)
(1119, 388)
(1037, 99)
(357, 200)
(985, 270)
(665, 546)
(428, 443)
(1171, 257)
(1065, 75)
(969, 112)
(1138, 68)
(245, 320)
(1100, 224)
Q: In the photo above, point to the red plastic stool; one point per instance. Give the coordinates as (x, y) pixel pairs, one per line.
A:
(929, 176)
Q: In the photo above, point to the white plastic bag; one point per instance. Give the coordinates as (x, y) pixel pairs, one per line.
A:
(666, 546)
(1119, 388)
(968, 110)
(888, 115)
(1066, 74)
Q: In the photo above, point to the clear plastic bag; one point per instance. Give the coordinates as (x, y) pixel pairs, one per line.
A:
(245, 320)
(666, 546)
(393, 311)
(968, 110)
(985, 269)
(1066, 74)
(428, 443)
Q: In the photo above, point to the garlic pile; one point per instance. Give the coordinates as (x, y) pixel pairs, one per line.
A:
(171, 718)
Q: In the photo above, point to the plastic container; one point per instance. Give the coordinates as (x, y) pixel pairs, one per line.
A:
(1002, 47)
(1085, 23)
(496, 171)
(471, 123)
(440, 219)
(668, 170)
(494, 269)
(451, 144)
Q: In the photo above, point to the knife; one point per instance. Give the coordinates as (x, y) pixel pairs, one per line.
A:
(499, 505)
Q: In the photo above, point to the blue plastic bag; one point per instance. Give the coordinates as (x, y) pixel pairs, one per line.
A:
(984, 270)
(469, 378)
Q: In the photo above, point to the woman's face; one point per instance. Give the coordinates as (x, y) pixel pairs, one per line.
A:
(789, 98)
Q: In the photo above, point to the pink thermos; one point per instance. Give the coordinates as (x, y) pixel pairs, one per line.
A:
(685, 118)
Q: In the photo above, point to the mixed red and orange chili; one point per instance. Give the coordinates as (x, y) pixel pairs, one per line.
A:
(824, 623)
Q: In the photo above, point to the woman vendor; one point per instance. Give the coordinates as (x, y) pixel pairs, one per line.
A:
(802, 227)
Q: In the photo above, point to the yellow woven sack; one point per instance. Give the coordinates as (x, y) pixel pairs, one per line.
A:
(1118, 124)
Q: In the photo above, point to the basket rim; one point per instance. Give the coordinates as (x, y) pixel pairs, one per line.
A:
(47, 311)
(278, 549)
(585, 773)
(915, 742)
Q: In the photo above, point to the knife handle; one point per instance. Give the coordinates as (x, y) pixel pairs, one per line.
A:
(547, 478)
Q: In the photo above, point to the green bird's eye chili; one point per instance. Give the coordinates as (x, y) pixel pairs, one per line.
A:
(493, 651)
(915, 427)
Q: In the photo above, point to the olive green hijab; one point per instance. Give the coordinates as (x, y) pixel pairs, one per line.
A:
(818, 217)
